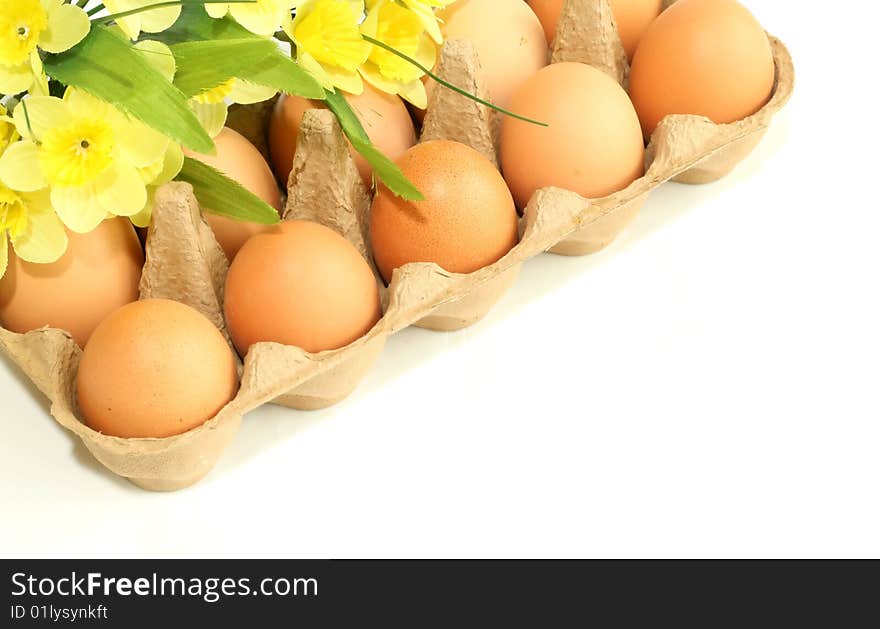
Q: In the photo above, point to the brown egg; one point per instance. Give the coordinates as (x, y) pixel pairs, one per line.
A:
(300, 284)
(633, 17)
(238, 159)
(593, 144)
(384, 116)
(704, 57)
(466, 221)
(99, 273)
(507, 36)
(154, 368)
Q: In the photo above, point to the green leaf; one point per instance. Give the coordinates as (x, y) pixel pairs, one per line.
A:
(386, 170)
(108, 67)
(275, 69)
(218, 194)
(203, 65)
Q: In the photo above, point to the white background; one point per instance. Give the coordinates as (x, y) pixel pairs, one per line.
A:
(707, 386)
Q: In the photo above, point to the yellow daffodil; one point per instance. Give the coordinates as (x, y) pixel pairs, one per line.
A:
(264, 17)
(88, 153)
(8, 134)
(27, 219)
(424, 9)
(157, 175)
(211, 107)
(328, 42)
(400, 28)
(152, 21)
(29, 25)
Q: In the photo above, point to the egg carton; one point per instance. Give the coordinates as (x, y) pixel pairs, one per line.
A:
(185, 263)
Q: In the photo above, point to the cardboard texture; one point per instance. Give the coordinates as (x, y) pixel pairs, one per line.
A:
(185, 263)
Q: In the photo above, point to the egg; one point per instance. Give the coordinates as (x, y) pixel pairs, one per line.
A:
(240, 160)
(99, 272)
(466, 221)
(508, 39)
(384, 117)
(633, 17)
(704, 57)
(593, 144)
(300, 284)
(154, 368)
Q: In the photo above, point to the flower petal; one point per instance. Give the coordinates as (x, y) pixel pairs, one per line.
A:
(43, 113)
(45, 239)
(145, 216)
(121, 191)
(138, 143)
(246, 93)
(217, 10)
(172, 165)
(4, 253)
(211, 115)
(68, 25)
(20, 167)
(78, 207)
(159, 56)
(16, 79)
(158, 20)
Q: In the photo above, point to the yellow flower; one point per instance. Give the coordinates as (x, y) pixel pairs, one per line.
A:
(265, 17)
(27, 220)
(25, 26)
(8, 134)
(402, 29)
(157, 175)
(152, 21)
(424, 9)
(328, 42)
(88, 153)
(209, 106)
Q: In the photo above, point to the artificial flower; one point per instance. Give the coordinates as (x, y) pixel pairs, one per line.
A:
(152, 21)
(401, 29)
(88, 153)
(26, 26)
(157, 175)
(328, 42)
(424, 9)
(264, 17)
(28, 221)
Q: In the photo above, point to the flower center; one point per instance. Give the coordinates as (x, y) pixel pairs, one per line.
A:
(21, 25)
(78, 153)
(13, 213)
(330, 34)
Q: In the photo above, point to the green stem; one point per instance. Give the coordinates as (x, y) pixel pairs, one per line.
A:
(168, 3)
(80, 3)
(448, 85)
(94, 10)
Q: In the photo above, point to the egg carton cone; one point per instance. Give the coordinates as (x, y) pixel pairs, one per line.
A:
(184, 263)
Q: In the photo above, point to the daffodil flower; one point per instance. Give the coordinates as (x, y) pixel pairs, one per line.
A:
(210, 106)
(152, 21)
(8, 133)
(424, 9)
(401, 29)
(89, 154)
(29, 25)
(328, 42)
(28, 221)
(264, 17)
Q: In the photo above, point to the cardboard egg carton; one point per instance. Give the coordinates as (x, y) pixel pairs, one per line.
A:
(184, 262)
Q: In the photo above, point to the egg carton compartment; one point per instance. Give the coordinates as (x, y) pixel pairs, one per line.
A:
(185, 263)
